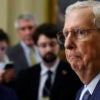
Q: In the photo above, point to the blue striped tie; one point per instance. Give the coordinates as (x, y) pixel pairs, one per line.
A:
(86, 96)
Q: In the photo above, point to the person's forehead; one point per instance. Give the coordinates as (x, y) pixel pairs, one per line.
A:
(45, 39)
(3, 43)
(78, 17)
(25, 22)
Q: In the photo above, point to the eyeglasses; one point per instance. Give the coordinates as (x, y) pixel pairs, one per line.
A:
(44, 45)
(75, 33)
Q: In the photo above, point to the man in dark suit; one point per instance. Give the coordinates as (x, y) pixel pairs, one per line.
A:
(81, 34)
(20, 53)
(52, 79)
(7, 93)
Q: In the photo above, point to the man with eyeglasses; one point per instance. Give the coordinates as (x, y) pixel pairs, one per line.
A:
(25, 53)
(52, 79)
(81, 38)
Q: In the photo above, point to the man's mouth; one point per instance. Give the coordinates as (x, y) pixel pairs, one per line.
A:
(72, 57)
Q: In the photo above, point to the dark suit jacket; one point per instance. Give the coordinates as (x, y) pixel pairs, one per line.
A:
(7, 93)
(65, 85)
(17, 55)
(94, 96)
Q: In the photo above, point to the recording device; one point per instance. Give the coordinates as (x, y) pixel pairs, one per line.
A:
(9, 66)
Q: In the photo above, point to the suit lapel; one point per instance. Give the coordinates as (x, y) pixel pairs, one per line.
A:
(96, 92)
(58, 80)
(22, 57)
(79, 93)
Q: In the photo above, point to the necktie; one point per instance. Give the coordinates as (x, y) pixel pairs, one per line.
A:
(47, 86)
(32, 57)
(86, 95)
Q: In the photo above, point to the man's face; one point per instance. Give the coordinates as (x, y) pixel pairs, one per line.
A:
(3, 48)
(25, 31)
(83, 54)
(48, 48)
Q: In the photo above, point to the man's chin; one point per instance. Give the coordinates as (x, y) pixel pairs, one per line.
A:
(29, 43)
(49, 60)
(75, 66)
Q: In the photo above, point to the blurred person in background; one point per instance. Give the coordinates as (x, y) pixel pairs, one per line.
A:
(52, 79)
(7, 76)
(24, 53)
(4, 43)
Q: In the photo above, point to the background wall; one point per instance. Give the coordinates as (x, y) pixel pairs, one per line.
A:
(43, 10)
(10, 9)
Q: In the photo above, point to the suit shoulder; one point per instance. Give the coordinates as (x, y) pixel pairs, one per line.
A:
(5, 91)
(14, 49)
(65, 65)
(30, 71)
(72, 75)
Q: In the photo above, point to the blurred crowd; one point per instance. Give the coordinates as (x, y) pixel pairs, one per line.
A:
(26, 66)
(36, 67)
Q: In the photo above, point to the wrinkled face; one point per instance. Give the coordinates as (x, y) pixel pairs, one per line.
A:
(84, 53)
(25, 31)
(48, 48)
(3, 48)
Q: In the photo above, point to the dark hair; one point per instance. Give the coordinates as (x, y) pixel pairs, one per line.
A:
(4, 36)
(49, 30)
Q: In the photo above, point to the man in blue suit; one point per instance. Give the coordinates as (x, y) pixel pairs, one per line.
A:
(81, 38)
(7, 93)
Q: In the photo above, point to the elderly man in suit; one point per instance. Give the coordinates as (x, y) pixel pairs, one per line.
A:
(25, 53)
(52, 79)
(81, 38)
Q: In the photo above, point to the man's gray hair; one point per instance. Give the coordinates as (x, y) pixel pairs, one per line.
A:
(93, 5)
(26, 17)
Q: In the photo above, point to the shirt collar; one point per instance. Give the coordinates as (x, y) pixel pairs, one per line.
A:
(26, 48)
(91, 86)
(53, 68)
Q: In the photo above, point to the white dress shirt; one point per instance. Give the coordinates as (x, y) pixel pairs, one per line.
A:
(27, 53)
(90, 87)
(44, 75)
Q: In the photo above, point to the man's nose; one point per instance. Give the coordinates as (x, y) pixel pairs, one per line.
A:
(27, 31)
(69, 43)
(49, 48)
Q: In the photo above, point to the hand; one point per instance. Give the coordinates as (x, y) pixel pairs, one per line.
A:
(1, 76)
(8, 75)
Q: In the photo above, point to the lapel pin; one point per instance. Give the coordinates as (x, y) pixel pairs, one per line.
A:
(64, 72)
